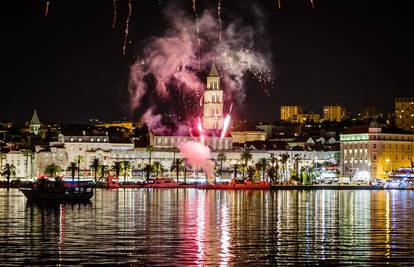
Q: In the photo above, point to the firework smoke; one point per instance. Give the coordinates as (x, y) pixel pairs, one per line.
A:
(198, 156)
(171, 60)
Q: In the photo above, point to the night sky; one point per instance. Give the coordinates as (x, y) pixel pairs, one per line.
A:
(69, 65)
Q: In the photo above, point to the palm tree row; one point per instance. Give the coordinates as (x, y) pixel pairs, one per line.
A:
(264, 168)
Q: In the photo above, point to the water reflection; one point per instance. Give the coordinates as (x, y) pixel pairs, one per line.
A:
(197, 227)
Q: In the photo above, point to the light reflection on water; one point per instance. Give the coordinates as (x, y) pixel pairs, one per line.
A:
(207, 227)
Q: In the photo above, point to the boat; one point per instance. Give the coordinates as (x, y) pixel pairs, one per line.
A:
(236, 184)
(46, 190)
(402, 178)
(161, 183)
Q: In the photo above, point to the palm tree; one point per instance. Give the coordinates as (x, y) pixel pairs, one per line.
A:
(126, 167)
(103, 171)
(297, 158)
(235, 170)
(284, 159)
(116, 167)
(8, 170)
(27, 153)
(95, 166)
(52, 170)
(246, 156)
(250, 172)
(261, 166)
(274, 167)
(78, 160)
(2, 157)
(150, 149)
(178, 165)
(73, 168)
(157, 168)
(221, 157)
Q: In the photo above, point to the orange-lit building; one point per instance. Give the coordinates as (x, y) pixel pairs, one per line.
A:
(375, 151)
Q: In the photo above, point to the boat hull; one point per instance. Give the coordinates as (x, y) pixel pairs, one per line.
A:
(233, 186)
(67, 196)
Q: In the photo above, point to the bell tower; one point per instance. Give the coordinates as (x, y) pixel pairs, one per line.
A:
(213, 101)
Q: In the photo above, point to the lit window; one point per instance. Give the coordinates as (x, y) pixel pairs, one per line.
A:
(91, 139)
(80, 139)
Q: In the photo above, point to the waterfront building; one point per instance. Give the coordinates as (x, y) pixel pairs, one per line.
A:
(334, 113)
(46, 155)
(404, 113)
(88, 146)
(21, 161)
(288, 113)
(375, 151)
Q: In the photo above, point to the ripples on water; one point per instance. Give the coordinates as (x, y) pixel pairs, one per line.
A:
(197, 227)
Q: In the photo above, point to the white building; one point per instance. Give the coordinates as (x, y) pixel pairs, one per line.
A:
(22, 162)
(87, 147)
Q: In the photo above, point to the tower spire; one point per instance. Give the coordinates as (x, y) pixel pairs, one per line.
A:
(213, 71)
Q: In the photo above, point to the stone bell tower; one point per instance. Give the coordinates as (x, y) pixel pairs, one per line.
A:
(213, 101)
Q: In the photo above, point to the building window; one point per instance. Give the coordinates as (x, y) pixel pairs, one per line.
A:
(80, 139)
(375, 146)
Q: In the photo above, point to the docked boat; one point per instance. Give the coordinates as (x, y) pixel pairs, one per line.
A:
(161, 183)
(235, 184)
(57, 191)
(403, 178)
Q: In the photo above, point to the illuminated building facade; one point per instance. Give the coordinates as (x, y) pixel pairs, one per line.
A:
(306, 117)
(334, 113)
(287, 113)
(120, 124)
(404, 113)
(375, 151)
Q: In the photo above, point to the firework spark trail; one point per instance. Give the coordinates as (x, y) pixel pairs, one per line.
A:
(114, 19)
(278, 4)
(127, 26)
(225, 126)
(311, 1)
(194, 5)
(219, 17)
(200, 129)
(47, 8)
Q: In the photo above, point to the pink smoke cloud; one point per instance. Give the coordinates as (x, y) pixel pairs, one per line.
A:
(176, 58)
(198, 156)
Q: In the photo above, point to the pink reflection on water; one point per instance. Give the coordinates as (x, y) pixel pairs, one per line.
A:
(201, 227)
